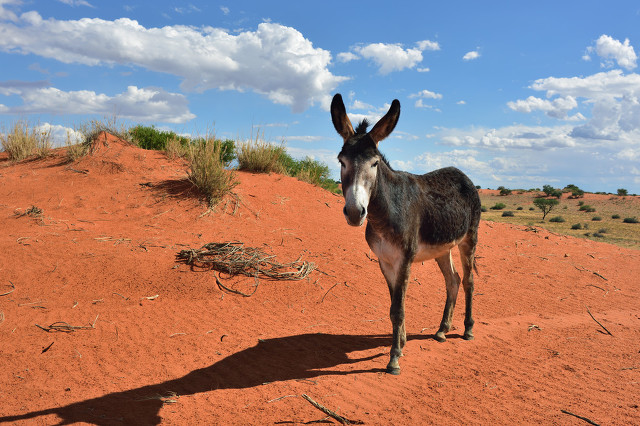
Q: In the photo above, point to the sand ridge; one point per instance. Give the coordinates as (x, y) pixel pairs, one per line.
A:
(169, 347)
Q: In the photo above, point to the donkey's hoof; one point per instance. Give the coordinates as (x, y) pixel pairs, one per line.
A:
(440, 337)
(468, 336)
(393, 370)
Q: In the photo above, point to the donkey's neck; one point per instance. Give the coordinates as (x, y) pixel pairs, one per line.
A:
(387, 201)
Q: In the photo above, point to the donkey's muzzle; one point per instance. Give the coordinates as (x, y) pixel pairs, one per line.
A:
(355, 215)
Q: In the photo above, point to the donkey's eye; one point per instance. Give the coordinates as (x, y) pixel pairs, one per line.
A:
(375, 164)
(341, 163)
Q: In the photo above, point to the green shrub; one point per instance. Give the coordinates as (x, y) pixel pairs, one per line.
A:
(622, 192)
(499, 206)
(148, 137)
(615, 216)
(630, 220)
(505, 191)
(557, 219)
(484, 209)
(602, 230)
(596, 218)
(508, 214)
(576, 226)
(598, 235)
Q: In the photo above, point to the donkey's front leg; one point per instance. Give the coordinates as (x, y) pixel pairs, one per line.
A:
(397, 277)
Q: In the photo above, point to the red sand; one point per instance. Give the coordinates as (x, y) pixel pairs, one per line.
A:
(106, 244)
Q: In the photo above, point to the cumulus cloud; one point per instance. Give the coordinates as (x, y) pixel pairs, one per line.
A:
(556, 108)
(274, 60)
(469, 56)
(6, 14)
(426, 94)
(140, 104)
(76, 3)
(612, 50)
(390, 57)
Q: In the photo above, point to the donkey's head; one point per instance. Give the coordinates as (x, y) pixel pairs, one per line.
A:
(360, 158)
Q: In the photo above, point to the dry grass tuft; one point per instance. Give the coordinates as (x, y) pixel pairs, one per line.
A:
(24, 140)
(259, 156)
(207, 171)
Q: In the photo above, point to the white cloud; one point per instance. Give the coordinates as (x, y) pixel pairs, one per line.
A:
(426, 94)
(390, 57)
(347, 56)
(556, 108)
(423, 69)
(612, 50)
(469, 56)
(428, 45)
(361, 105)
(7, 15)
(461, 102)
(274, 60)
(141, 104)
(76, 3)
(225, 10)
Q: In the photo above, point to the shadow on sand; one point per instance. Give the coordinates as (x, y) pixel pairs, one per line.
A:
(286, 358)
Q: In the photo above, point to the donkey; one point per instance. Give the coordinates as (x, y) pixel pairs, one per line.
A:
(410, 218)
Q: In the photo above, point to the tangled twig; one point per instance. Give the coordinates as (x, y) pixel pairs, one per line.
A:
(233, 258)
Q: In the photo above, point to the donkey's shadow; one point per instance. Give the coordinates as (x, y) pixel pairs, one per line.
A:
(286, 358)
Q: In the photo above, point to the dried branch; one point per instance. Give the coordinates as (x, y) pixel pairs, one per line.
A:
(591, 422)
(11, 291)
(330, 413)
(592, 317)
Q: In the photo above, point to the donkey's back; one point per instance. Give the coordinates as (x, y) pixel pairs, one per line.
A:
(451, 208)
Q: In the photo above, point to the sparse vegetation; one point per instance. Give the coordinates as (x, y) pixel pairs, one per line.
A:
(508, 214)
(622, 192)
(596, 218)
(557, 219)
(615, 216)
(498, 206)
(630, 220)
(576, 226)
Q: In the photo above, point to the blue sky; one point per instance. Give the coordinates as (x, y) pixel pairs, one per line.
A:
(519, 94)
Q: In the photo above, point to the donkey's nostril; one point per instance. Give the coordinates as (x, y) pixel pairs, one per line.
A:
(363, 212)
(344, 210)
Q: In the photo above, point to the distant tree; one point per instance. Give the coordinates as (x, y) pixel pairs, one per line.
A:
(548, 190)
(577, 192)
(622, 192)
(545, 204)
(505, 191)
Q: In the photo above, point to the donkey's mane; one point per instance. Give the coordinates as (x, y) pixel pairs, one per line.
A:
(362, 127)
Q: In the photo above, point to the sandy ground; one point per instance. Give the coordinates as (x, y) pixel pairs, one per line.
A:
(105, 246)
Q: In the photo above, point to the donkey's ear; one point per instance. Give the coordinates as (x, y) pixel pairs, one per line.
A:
(340, 119)
(385, 126)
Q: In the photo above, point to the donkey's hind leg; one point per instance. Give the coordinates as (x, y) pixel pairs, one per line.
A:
(452, 280)
(467, 256)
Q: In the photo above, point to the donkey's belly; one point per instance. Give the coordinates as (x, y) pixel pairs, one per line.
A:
(430, 251)
(392, 254)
